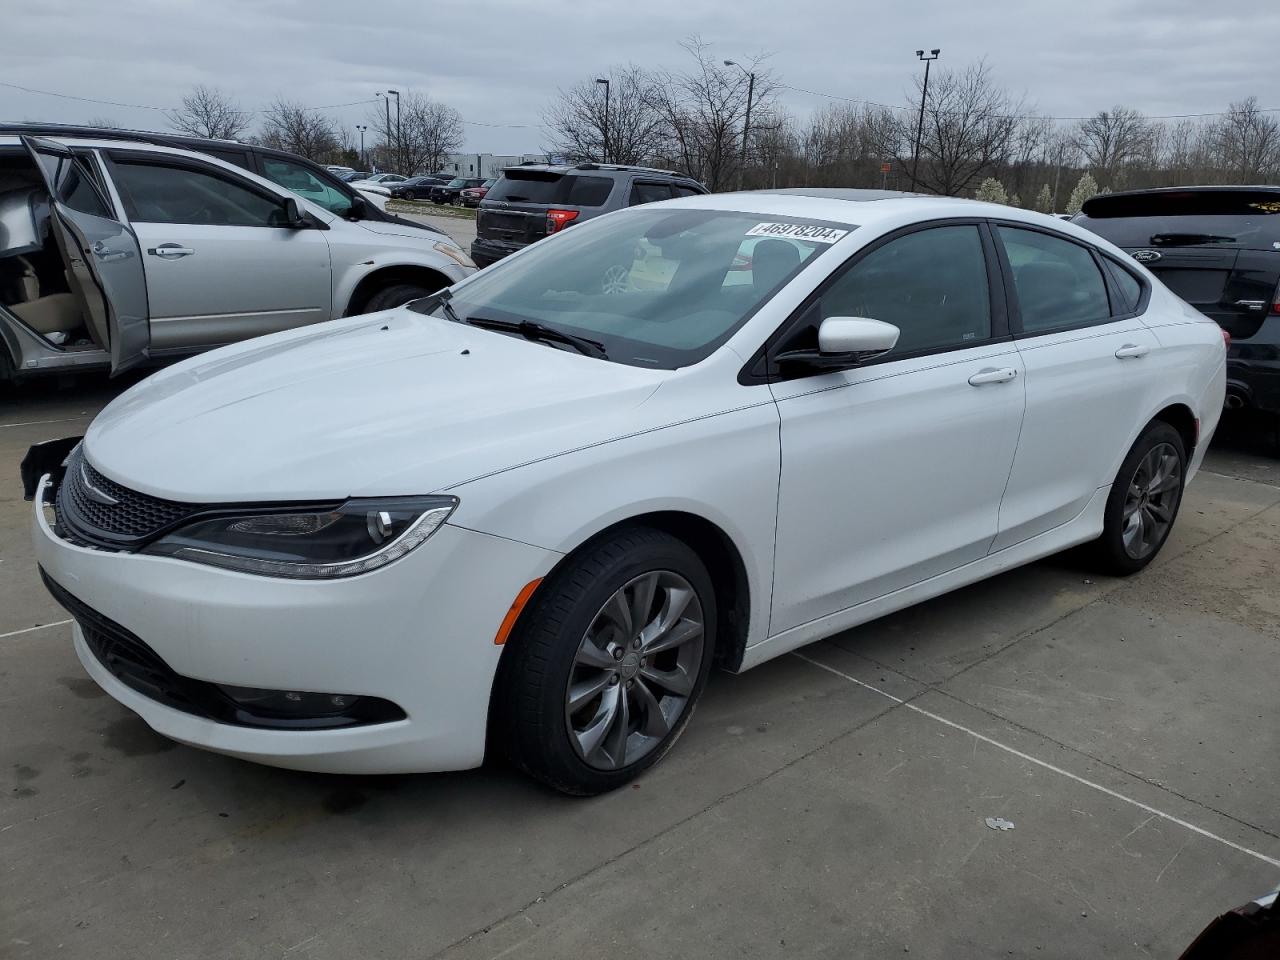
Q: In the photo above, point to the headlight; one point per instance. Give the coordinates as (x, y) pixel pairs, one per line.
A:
(358, 536)
(455, 253)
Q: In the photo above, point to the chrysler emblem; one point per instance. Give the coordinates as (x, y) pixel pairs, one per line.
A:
(96, 494)
(1146, 256)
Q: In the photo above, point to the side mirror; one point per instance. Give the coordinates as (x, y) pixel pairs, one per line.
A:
(293, 216)
(359, 208)
(845, 342)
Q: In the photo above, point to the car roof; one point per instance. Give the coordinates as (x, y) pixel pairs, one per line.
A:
(596, 168)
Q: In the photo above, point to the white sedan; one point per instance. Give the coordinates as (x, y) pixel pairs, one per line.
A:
(531, 512)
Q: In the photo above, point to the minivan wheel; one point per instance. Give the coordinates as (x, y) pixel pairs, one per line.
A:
(396, 295)
(607, 664)
(1143, 502)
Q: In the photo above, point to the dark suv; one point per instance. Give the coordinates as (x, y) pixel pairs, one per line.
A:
(1218, 248)
(536, 199)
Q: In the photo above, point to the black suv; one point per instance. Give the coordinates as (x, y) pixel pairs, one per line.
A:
(1218, 248)
(536, 199)
(302, 176)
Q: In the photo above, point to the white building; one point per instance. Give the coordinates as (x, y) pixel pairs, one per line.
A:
(485, 164)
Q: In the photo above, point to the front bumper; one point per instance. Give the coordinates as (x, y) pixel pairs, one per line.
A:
(418, 632)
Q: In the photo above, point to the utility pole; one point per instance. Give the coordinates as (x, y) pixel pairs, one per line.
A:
(386, 102)
(746, 122)
(605, 138)
(915, 161)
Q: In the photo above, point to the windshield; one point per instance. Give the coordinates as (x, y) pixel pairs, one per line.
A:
(658, 288)
(457, 183)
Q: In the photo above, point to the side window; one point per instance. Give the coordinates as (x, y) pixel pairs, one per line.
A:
(680, 191)
(930, 284)
(305, 183)
(1057, 281)
(1129, 287)
(588, 191)
(648, 193)
(159, 193)
(73, 184)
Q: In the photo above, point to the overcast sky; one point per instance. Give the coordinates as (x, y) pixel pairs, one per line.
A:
(500, 62)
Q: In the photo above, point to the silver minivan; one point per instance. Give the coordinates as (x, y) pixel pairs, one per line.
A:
(114, 253)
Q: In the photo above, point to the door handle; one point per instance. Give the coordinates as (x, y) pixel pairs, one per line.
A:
(170, 251)
(106, 254)
(992, 375)
(1131, 351)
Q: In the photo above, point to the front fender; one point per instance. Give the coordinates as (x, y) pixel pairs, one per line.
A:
(723, 469)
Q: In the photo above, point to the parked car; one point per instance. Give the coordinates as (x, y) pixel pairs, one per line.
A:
(1219, 249)
(383, 179)
(355, 176)
(338, 169)
(471, 196)
(535, 200)
(415, 187)
(448, 192)
(116, 251)
(533, 510)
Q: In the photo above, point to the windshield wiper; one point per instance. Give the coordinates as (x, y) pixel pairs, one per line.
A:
(1188, 239)
(532, 330)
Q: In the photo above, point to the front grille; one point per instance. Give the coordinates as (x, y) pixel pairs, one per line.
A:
(133, 515)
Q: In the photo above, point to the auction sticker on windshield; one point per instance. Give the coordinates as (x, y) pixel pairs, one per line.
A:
(797, 231)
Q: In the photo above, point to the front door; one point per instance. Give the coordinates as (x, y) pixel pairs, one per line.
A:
(222, 261)
(1091, 375)
(104, 263)
(892, 472)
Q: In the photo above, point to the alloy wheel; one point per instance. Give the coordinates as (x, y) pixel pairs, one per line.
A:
(617, 279)
(1151, 501)
(634, 670)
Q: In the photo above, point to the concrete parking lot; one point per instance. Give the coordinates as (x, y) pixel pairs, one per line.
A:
(829, 804)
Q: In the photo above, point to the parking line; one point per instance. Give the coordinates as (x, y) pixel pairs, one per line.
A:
(1040, 763)
(43, 626)
(32, 423)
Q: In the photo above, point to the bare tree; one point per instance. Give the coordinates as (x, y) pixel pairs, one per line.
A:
(287, 125)
(1114, 139)
(1246, 142)
(969, 126)
(208, 112)
(703, 109)
(635, 130)
(426, 132)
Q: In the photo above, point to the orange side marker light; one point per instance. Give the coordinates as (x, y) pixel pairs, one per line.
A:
(517, 605)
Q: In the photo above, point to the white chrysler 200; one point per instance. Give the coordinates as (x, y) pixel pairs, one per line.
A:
(532, 511)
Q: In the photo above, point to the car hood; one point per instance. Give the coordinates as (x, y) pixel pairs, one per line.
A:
(388, 404)
(415, 231)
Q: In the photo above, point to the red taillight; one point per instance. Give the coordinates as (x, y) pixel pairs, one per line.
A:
(1226, 339)
(557, 220)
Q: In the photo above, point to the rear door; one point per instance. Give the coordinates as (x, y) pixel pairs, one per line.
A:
(1091, 372)
(222, 263)
(104, 260)
(514, 211)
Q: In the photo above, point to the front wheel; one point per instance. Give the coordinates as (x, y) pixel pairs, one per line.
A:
(1143, 502)
(410, 195)
(608, 663)
(396, 295)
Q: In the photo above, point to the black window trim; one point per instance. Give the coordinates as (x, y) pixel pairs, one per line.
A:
(649, 182)
(1100, 261)
(146, 158)
(762, 366)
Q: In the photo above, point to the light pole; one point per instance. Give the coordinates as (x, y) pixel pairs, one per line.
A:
(386, 102)
(605, 148)
(362, 127)
(915, 160)
(746, 121)
(399, 136)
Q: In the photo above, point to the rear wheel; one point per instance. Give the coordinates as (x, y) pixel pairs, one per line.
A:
(607, 665)
(1143, 502)
(396, 295)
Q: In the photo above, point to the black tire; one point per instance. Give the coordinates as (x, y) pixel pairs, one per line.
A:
(396, 295)
(531, 722)
(408, 195)
(1109, 552)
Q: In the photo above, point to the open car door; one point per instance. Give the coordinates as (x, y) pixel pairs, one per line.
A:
(104, 261)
